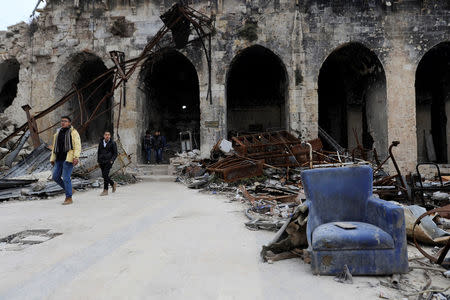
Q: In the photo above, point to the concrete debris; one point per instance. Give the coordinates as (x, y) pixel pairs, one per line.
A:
(274, 200)
(225, 146)
(345, 276)
(31, 177)
(427, 232)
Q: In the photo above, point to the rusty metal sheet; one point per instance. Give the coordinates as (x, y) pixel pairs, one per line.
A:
(276, 148)
(234, 168)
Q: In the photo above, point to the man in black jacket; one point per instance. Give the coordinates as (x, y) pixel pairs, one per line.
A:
(107, 154)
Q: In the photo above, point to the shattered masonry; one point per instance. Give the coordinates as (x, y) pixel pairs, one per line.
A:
(376, 72)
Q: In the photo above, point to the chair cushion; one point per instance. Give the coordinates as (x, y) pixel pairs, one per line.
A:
(328, 236)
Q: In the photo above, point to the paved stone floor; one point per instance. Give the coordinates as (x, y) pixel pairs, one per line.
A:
(152, 240)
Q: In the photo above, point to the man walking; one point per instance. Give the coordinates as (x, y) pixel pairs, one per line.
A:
(106, 155)
(65, 154)
(148, 145)
(159, 144)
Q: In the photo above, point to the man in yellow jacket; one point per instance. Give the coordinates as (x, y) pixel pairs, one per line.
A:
(65, 154)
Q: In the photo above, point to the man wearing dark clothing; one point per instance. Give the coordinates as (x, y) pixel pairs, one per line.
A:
(159, 142)
(106, 155)
(148, 146)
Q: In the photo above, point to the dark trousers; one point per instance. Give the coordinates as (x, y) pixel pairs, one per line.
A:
(158, 154)
(106, 167)
(148, 153)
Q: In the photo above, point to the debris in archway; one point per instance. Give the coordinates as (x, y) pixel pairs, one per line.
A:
(433, 104)
(352, 98)
(89, 113)
(122, 71)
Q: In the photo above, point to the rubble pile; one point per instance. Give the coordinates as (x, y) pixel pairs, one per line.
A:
(29, 178)
(263, 172)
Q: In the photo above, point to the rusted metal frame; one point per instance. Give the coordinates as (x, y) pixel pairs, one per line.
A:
(83, 103)
(270, 154)
(421, 189)
(325, 156)
(32, 127)
(359, 146)
(226, 163)
(198, 28)
(59, 103)
(70, 93)
(245, 171)
(399, 174)
(375, 155)
(97, 88)
(278, 143)
(149, 46)
(80, 101)
(118, 117)
(107, 95)
(198, 15)
(103, 112)
(290, 151)
(84, 126)
(384, 181)
(439, 260)
(114, 58)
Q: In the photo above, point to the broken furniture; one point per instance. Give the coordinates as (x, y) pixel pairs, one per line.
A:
(234, 168)
(276, 148)
(441, 258)
(389, 187)
(347, 225)
(418, 188)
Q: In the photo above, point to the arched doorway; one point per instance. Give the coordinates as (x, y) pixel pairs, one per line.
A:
(433, 104)
(81, 69)
(256, 91)
(352, 98)
(172, 98)
(9, 78)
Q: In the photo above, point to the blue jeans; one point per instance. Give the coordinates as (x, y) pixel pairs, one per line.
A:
(63, 168)
(158, 153)
(148, 153)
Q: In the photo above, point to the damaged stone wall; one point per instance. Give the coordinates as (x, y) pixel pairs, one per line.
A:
(301, 34)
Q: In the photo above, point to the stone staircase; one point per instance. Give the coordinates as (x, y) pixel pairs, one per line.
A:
(152, 173)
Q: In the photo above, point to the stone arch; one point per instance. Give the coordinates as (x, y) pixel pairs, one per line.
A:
(9, 78)
(169, 95)
(432, 87)
(80, 69)
(256, 91)
(352, 97)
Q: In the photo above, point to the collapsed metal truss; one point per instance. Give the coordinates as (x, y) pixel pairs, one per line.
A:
(180, 19)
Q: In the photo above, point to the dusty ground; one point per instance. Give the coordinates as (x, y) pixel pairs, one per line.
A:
(154, 240)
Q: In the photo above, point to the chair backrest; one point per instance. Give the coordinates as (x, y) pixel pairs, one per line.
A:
(337, 194)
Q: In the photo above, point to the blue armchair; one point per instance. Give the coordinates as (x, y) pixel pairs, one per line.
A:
(347, 225)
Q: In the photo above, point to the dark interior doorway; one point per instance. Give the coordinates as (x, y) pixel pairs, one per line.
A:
(81, 69)
(256, 91)
(9, 78)
(352, 98)
(433, 104)
(172, 97)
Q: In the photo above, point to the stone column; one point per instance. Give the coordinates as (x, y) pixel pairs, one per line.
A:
(401, 106)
